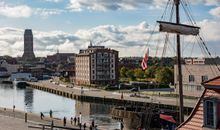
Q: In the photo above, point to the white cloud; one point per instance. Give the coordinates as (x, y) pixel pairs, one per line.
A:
(215, 11)
(15, 11)
(210, 29)
(44, 12)
(103, 5)
(24, 11)
(128, 40)
(55, 1)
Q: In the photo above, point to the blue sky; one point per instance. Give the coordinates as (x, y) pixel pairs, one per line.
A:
(80, 20)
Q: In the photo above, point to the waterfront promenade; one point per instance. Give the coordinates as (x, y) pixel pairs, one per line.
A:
(10, 120)
(102, 94)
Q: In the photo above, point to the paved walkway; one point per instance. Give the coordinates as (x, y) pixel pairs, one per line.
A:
(10, 123)
(76, 90)
(10, 120)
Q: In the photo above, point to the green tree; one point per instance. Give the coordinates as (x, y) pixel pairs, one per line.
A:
(139, 73)
(130, 74)
(123, 71)
(150, 72)
(165, 75)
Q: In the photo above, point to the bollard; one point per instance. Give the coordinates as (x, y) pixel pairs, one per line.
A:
(25, 117)
(52, 125)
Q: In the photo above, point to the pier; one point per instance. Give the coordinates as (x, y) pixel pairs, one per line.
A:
(94, 95)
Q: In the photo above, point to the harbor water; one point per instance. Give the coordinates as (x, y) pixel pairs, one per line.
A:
(36, 101)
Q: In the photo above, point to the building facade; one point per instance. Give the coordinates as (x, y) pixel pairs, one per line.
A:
(206, 113)
(96, 65)
(59, 58)
(11, 68)
(193, 74)
(28, 46)
(130, 62)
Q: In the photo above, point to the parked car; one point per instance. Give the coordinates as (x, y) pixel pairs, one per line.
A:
(134, 90)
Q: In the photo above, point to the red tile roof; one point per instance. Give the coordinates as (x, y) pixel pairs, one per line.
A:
(212, 82)
(195, 120)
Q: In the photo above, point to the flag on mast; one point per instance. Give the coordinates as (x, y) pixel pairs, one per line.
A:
(144, 61)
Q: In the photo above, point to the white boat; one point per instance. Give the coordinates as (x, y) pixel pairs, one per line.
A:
(19, 82)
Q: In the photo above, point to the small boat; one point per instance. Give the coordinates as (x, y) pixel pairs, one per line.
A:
(20, 83)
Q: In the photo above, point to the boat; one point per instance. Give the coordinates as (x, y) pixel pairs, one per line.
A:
(19, 83)
(207, 106)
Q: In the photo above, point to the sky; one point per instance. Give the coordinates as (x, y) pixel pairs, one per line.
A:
(128, 26)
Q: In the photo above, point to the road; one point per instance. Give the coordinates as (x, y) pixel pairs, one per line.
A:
(93, 92)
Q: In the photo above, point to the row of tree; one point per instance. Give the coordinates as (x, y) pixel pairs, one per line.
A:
(164, 75)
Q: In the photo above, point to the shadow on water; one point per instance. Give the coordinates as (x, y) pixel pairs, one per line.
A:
(28, 98)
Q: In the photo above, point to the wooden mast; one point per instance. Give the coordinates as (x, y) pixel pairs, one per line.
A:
(178, 29)
(181, 115)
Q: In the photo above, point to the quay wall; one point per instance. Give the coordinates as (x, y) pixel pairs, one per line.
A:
(104, 99)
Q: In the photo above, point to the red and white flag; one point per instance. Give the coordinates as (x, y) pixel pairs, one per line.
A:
(144, 61)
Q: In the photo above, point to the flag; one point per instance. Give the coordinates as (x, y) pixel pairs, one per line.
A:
(144, 61)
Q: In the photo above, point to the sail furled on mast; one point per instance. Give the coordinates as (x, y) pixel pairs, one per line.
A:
(181, 29)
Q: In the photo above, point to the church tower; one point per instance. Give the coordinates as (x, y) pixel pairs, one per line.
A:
(28, 46)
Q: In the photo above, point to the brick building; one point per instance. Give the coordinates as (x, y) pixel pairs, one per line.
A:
(59, 58)
(130, 62)
(96, 65)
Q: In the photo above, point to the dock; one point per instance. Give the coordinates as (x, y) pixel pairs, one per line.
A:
(94, 95)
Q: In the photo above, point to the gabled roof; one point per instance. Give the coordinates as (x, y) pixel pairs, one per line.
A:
(212, 82)
(195, 119)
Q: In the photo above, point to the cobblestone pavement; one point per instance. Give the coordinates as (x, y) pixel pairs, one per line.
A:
(10, 120)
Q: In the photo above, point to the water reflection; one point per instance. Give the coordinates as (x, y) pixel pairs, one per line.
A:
(28, 98)
(36, 101)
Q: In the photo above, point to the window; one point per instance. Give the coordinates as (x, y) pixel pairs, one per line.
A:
(204, 78)
(191, 78)
(210, 119)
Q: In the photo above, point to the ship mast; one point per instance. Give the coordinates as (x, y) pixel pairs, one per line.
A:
(181, 115)
(179, 29)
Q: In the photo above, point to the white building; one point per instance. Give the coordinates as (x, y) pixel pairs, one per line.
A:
(193, 74)
(11, 68)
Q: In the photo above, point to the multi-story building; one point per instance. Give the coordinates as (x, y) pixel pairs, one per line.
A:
(59, 58)
(28, 46)
(96, 65)
(194, 72)
(130, 62)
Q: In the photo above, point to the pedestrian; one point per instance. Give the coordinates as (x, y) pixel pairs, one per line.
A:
(75, 119)
(90, 127)
(122, 125)
(80, 126)
(41, 115)
(80, 118)
(122, 97)
(71, 120)
(13, 108)
(81, 90)
(93, 123)
(51, 113)
(78, 121)
(84, 126)
(64, 121)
